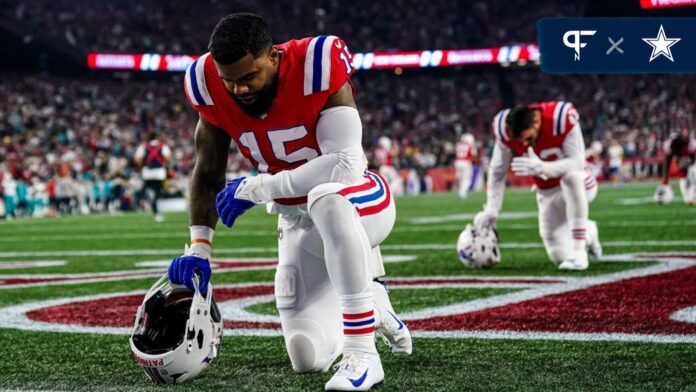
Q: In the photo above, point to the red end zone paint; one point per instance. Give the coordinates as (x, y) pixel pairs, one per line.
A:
(119, 311)
(638, 305)
(631, 303)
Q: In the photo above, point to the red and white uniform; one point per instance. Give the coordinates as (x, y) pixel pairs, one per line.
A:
(683, 150)
(311, 70)
(383, 157)
(559, 143)
(286, 138)
(465, 150)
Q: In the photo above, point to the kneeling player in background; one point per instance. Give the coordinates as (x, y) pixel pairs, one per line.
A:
(680, 148)
(545, 141)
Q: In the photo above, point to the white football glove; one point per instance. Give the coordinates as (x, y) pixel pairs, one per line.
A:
(529, 165)
(486, 218)
(252, 189)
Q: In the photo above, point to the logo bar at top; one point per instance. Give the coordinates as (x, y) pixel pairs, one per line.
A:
(617, 45)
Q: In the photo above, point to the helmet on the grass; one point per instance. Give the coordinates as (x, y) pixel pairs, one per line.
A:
(478, 247)
(177, 333)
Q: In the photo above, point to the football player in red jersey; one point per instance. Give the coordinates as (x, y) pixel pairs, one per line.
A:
(465, 152)
(680, 148)
(545, 141)
(290, 109)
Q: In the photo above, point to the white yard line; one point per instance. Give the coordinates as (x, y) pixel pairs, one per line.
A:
(136, 252)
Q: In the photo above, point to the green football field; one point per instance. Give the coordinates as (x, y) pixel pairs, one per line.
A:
(627, 323)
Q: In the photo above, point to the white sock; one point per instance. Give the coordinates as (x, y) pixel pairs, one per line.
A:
(348, 253)
(577, 209)
(358, 322)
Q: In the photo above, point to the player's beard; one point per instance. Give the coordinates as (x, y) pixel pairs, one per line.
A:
(263, 101)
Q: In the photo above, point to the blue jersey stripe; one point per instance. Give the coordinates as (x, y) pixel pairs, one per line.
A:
(558, 120)
(316, 77)
(372, 196)
(500, 125)
(194, 84)
(358, 323)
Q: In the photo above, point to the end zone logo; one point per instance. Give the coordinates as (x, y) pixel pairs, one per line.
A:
(655, 303)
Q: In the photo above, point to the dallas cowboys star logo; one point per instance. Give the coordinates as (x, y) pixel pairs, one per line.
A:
(661, 45)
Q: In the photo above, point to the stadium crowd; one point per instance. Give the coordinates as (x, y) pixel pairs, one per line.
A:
(67, 144)
(366, 25)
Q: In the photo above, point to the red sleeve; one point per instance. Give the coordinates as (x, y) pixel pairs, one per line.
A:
(341, 65)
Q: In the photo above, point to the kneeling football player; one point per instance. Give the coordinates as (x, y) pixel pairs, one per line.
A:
(290, 109)
(544, 141)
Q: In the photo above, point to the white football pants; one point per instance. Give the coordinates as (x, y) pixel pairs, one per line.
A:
(463, 170)
(307, 302)
(557, 207)
(393, 178)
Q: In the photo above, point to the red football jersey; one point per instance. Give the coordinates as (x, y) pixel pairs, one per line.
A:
(464, 151)
(383, 157)
(310, 71)
(557, 120)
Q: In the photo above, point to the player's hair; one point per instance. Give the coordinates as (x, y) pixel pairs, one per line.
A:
(519, 119)
(238, 34)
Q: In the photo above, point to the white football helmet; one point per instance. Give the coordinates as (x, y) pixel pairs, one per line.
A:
(384, 142)
(663, 194)
(478, 247)
(468, 138)
(177, 332)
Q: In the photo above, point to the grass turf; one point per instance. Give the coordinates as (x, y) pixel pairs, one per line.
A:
(42, 360)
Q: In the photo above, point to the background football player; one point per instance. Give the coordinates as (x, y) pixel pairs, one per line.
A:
(291, 111)
(545, 141)
(680, 148)
(384, 159)
(465, 151)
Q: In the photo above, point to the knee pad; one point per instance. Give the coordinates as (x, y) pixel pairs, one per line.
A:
(308, 347)
(287, 287)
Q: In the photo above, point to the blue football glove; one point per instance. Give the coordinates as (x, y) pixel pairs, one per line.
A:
(182, 268)
(228, 206)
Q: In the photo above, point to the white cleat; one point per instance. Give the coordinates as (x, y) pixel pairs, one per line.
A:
(595, 247)
(357, 371)
(577, 261)
(159, 218)
(388, 326)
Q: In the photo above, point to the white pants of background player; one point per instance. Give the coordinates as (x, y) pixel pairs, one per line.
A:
(554, 226)
(463, 170)
(308, 304)
(393, 178)
(687, 185)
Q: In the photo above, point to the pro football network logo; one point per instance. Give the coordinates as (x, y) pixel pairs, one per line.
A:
(576, 44)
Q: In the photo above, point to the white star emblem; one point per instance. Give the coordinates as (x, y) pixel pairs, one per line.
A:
(661, 44)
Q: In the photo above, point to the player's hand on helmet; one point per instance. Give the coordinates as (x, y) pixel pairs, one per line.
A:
(486, 218)
(182, 269)
(530, 165)
(229, 204)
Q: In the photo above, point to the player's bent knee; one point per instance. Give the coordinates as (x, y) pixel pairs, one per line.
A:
(574, 178)
(591, 193)
(308, 347)
(325, 192)
(557, 254)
